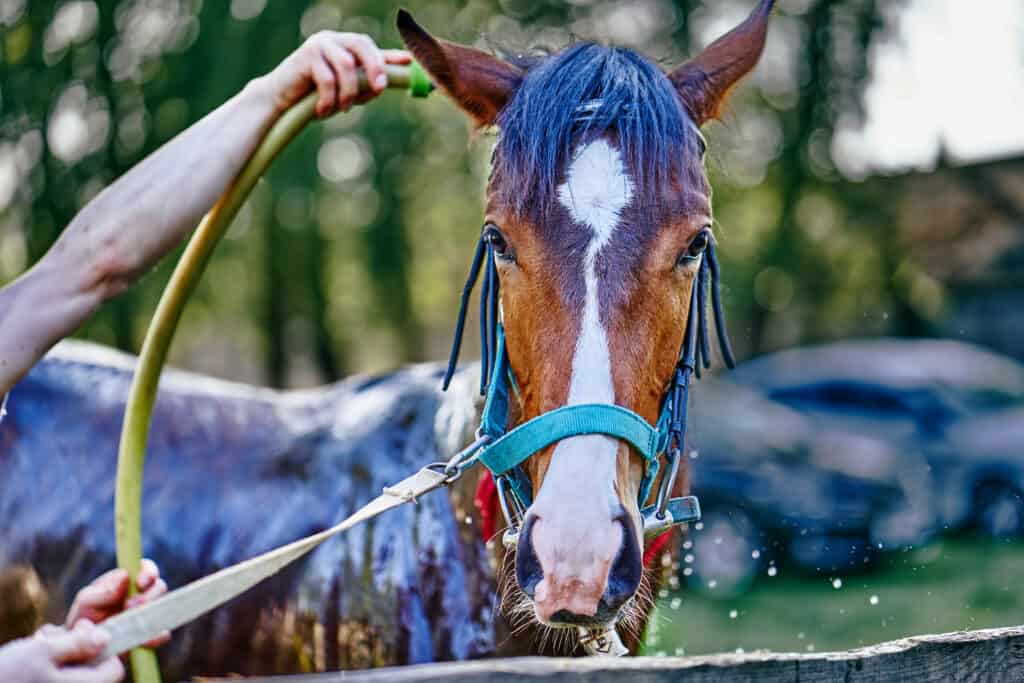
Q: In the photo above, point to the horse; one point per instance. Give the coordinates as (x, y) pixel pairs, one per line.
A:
(235, 470)
(598, 227)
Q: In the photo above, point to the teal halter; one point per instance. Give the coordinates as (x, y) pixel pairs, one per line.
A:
(503, 450)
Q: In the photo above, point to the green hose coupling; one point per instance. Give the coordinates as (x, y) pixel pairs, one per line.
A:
(419, 81)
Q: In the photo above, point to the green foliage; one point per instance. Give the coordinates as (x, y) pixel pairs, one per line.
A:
(351, 253)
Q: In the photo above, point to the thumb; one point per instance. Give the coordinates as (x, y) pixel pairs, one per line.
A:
(81, 644)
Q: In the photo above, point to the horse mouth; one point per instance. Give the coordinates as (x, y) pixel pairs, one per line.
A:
(565, 619)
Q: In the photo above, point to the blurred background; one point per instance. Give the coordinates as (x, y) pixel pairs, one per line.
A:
(863, 483)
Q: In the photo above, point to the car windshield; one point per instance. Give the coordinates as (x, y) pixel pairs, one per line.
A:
(846, 395)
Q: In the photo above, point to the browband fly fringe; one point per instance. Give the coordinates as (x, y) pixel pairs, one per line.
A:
(492, 313)
(716, 302)
(485, 347)
(482, 259)
(460, 324)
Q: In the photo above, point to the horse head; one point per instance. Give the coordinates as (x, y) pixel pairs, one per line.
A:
(598, 220)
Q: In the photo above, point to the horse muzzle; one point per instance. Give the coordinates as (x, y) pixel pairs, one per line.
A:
(585, 593)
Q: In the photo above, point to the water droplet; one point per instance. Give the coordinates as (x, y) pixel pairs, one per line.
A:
(733, 614)
(801, 635)
(756, 554)
(687, 544)
(675, 604)
(772, 571)
(699, 526)
(873, 599)
(688, 558)
(837, 583)
(680, 652)
(712, 583)
(718, 540)
(688, 571)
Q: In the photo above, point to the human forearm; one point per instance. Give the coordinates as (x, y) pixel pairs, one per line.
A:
(128, 228)
(150, 209)
(125, 230)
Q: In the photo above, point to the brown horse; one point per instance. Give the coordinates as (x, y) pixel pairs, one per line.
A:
(598, 215)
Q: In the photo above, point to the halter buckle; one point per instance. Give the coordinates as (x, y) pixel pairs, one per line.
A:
(678, 511)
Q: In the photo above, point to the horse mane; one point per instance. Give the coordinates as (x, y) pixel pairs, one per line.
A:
(623, 91)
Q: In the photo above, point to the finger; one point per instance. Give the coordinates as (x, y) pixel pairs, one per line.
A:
(149, 595)
(344, 65)
(82, 643)
(108, 586)
(110, 670)
(113, 577)
(96, 601)
(369, 57)
(148, 573)
(396, 57)
(326, 87)
(159, 641)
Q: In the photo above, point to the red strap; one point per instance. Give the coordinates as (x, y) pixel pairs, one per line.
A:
(656, 547)
(486, 501)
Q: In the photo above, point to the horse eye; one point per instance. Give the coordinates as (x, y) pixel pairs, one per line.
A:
(497, 242)
(699, 244)
(696, 248)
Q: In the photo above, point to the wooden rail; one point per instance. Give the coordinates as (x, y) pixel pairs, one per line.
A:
(964, 656)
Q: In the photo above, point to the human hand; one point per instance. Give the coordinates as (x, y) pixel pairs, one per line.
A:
(59, 655)
(108, 595)
(328, 62)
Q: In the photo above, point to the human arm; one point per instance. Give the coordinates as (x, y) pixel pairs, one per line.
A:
(147, 212)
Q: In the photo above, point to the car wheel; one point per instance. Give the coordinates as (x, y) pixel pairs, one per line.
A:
(999, 509)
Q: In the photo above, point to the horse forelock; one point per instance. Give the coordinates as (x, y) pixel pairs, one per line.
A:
(589, 91)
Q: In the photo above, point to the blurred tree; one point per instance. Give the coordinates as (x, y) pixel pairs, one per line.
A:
(351, 253)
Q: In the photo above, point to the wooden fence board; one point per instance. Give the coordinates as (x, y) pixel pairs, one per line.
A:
(995, 655)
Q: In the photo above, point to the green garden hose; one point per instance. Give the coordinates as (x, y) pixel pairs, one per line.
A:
(139, 409)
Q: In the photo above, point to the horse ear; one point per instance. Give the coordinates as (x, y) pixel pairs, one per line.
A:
(704, 82)
(479, 83)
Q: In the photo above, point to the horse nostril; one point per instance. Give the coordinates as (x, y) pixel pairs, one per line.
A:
(528, 569)
(624, 576)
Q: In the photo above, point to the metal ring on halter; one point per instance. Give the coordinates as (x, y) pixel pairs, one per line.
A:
(514, 513)
(668, 478)
(466, 457)
(442, 468)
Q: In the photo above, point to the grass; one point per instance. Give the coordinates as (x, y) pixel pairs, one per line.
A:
(950, 585)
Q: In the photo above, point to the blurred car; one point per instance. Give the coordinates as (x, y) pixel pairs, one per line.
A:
(776, 489)
(984, 455)
(938, 399)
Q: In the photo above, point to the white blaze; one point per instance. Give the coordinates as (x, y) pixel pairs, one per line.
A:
(596, 190)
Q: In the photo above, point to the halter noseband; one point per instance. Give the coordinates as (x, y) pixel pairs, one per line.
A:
(503, 450)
